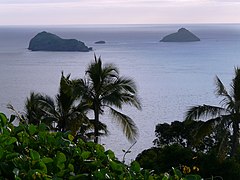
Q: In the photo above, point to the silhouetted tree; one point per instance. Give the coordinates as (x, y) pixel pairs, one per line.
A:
(66, 112)
(104, 88)
(225, 117)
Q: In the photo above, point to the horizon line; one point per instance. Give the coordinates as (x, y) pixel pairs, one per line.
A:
(125, 24)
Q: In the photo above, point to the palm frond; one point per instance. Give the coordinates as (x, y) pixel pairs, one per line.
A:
(236, 85)
(102, 127)
(109, 71)
(33, 108)
(204, 111)
(126, 84)
(128, 126)
(122, 91)
(220, 90)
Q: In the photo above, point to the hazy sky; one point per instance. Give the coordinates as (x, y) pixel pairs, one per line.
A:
(45, 12)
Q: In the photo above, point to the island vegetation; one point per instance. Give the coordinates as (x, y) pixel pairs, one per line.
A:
(45, 41)
(56, 139)
(182, 35)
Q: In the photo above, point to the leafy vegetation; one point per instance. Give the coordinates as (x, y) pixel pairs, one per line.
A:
(207, 141)
(226, 117)
(32, 152)
(54, 137)
(206, 165)
(29, 151)
(102, 88)
(64, 113)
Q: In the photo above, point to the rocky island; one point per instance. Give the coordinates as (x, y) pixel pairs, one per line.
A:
(182, 35)
(100, 42)
(45, 41)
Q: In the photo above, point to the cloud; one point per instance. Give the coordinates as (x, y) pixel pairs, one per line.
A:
(110, 1)
(33, 1)
(117, 11)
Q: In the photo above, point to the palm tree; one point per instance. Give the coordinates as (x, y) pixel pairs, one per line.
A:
(33, 109)
(226, 116)
(104, 88)
(66, 110)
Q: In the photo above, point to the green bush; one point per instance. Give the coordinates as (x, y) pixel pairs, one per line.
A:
(163, 159)
(33, 152)
(207, 165)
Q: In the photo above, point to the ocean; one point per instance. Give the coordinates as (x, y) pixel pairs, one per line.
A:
(170, 77)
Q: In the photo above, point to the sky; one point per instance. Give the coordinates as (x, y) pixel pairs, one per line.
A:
(60, 12)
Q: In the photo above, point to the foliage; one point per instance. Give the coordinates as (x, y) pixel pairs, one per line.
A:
(163, 159)
(184, 134)
(28, 151)
(181, 141)
(67, 112)
(176, 174)
(172, 160)
(102, 88)
(226, 117)
(207, 165)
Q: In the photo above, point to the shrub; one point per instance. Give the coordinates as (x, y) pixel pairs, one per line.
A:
(33, 152)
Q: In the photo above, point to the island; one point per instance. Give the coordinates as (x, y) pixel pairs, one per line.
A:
(45, 41)
(100, 42)
(182, 35)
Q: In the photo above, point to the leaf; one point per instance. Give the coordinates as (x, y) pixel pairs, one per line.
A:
(70, 137)
(34, 155)
(18, 129)
(3, 119)
(85, 154)
(10, 141)
(115, 166)
(32, 129)
(47, 160)
(12, 118)
(177, 172)
(100, 149)
(61, 157)
(135, 166)
(110, 154)
(41, 165)
(60, 160)
(71, 167)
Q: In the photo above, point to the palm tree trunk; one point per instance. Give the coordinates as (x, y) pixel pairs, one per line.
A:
(235, 138)
(96, 128)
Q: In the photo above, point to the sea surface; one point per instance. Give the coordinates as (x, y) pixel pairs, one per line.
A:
(170, 77)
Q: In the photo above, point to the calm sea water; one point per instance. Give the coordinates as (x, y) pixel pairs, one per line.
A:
(170, 76)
